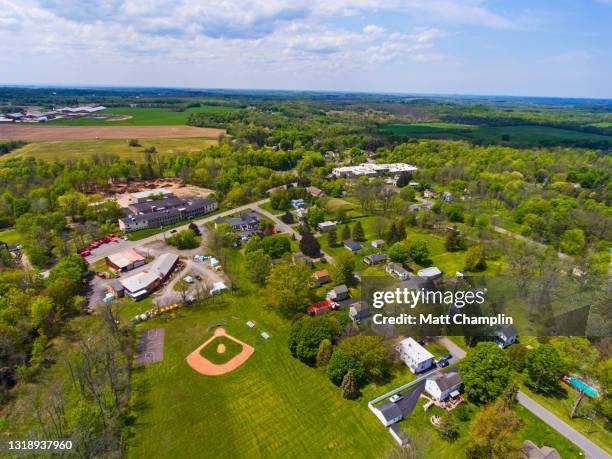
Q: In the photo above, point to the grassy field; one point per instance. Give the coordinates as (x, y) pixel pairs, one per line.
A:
(517, 135)
(272, 406)
(74, 149)
(10, 236)
(418, 425)
(142, 116)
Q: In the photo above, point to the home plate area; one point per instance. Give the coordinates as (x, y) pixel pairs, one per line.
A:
(220, 354)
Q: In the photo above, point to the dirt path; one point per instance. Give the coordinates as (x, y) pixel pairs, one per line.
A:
(54, 132)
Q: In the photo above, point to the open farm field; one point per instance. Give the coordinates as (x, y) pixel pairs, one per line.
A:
(72, 149)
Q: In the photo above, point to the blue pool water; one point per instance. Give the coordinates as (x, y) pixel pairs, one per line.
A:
(582, 386)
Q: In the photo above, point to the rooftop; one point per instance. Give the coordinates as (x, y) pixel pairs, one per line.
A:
(418, 352)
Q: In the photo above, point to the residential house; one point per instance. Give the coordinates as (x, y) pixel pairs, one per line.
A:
(430, 194)
(505, 336)
(320, 307)
(375, 258)
(299, 257)
(441, 386)
(298, 203)
(531, 451)
(245, 222)
(447, 196)
(301, 212)
(351, 245)
(327, 226)
(430, 273)
(388, 413)
(415, 356)
(339, 293)
(315, 192)
(359, 311)
(398, 271)
(321, 276)
(378, 243)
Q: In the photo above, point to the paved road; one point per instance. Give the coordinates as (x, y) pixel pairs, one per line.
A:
(591, 450)
(112, 247)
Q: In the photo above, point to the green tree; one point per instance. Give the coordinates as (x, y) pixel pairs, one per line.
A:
(358, 234)
(399, 251)
(516, 354)
(544, 366)
(419, 252)
(448, 426)
(342, 268)
(407, 193)
(572, 241)
(369, 352)
(325, 352)
(349, 386)
(307, 334)
(185, 239)
(288, 287)
(346, 232)
(279, 199)
(276, 245)
(492, 434)
(258, 266)
(309, 245)
(340, 364)
(485, 372)
(454, 241)
(332, 237)
(475, 259)
(314, 216)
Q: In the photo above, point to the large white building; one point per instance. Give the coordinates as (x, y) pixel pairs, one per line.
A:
(415, 356)
(372, 169)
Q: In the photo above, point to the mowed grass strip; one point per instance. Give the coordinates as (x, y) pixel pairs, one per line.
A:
(271, 406)
(75, 149)
(211, 351)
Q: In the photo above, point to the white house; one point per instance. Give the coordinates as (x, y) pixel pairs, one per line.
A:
(430, 273)
(327, 226)
(415, 356)
(398, 271)
(442, 385)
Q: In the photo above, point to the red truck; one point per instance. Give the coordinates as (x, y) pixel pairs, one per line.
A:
(85, 253)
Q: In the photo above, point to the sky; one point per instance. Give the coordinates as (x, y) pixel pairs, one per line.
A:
(559, 48)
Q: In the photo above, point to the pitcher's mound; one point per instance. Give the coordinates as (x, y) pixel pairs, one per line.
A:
(220, 354)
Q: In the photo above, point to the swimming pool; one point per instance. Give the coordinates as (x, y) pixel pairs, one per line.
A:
(580, 386)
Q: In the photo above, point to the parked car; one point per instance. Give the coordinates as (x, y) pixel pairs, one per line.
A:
(442, 363)
(173, 231)
(395, 398)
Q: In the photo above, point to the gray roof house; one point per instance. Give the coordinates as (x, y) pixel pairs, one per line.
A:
(359, 311)
(531, 451)
(353, 246)
(375, 258)
(338, 293)
(443, 385)
(388, 413)
(505, 336)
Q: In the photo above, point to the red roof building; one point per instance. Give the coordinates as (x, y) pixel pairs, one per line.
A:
(322, 307)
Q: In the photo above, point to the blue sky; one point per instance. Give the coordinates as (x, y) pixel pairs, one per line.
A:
(538, 48)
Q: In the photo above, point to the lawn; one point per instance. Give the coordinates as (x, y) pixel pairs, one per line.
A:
(10, 236)
(142, 116)
(212, 353)
(272, 406)
(72, 149)
(418, 425)
(516, 135)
